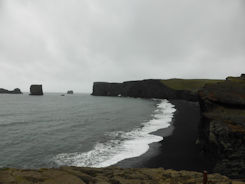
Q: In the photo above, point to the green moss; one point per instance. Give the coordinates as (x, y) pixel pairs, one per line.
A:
(188, 84)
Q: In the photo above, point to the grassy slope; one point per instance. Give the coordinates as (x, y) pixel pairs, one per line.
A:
(188, 84)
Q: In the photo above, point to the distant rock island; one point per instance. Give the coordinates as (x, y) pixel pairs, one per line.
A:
(222, 104)
(36, 89)
(15, 91)
(70, 92)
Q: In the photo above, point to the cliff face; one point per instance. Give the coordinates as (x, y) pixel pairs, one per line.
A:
(36, 90)
(222, 129)
(76, 175)
(15, 91)
(143, 89)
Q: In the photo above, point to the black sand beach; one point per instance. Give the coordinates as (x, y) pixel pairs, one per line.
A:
(178, 150)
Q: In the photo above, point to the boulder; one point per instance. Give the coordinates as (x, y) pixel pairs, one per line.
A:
(36, 89)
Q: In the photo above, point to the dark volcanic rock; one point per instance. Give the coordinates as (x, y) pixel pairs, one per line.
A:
(36, 90)
(144, 89)
(15, 91)
(222, 129)
(70, 92)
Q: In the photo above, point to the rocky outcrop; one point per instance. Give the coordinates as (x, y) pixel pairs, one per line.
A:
(70, 92)
(222, 129)
(151, 88)
(15, 91)
(36, 89)
(111, 175)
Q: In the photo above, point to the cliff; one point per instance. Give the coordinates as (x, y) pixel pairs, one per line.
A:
(111, 175)
(222, 104)
(222, 129)
(36, 89)
(15, 91)
(151, 88)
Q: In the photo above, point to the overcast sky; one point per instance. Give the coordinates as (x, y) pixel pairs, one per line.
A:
(69, 44)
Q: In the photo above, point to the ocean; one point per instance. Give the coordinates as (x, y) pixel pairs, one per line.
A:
(77, 130)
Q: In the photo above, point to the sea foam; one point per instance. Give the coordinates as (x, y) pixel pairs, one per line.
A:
(122, 145)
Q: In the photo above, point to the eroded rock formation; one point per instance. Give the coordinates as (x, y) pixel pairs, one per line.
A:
(36, 89)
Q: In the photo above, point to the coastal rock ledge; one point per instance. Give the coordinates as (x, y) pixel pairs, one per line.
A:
(110, 175)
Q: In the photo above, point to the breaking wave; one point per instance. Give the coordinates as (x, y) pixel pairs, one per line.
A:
(122, 145)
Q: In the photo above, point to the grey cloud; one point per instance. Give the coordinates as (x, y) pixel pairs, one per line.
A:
(70, 44)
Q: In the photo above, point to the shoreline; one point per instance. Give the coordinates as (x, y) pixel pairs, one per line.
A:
(124, 144)
(178, 149)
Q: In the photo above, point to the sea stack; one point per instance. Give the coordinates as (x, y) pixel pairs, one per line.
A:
(70, 92)
(36, 89)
